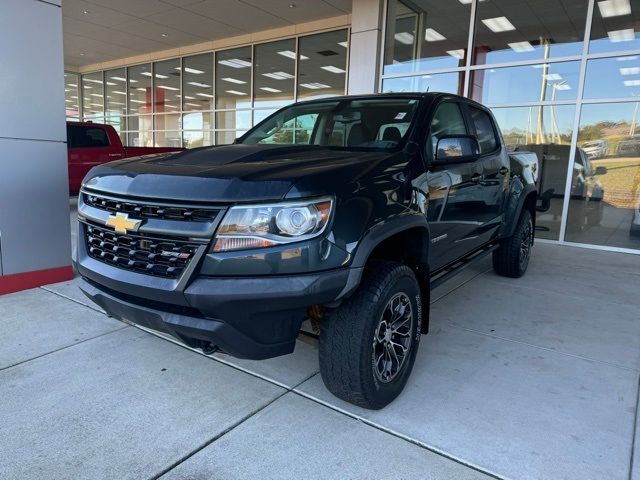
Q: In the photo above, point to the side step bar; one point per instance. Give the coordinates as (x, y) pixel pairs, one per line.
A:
(453, 269)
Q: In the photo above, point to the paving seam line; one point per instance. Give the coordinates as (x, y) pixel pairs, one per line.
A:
(401, 436)
(633, 436)
(540, 347)
(62, 295)
(230, 428)
(505, 281)
(63, 348)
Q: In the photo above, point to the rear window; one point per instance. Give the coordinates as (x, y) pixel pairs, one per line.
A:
(484, 130)
(79, 136)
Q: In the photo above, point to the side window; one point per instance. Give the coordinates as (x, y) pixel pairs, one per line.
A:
(447, 120)
(484, 130)
(79, 136)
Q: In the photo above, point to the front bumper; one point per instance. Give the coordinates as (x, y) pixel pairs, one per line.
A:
(254, 318)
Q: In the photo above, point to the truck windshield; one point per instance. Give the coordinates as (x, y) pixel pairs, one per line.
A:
(378, 123)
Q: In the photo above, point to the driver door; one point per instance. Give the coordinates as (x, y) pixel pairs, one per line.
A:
(453, 189)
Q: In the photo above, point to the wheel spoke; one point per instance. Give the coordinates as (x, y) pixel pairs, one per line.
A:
(392, 337)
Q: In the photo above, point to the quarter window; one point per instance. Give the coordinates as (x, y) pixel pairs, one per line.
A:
(484, 130)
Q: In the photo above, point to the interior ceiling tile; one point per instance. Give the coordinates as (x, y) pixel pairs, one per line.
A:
(187, 21)
(240, 15)
(108, 35)
(174, 38)
(180, 3)
(137, 8)
(94, 50)
(96, 14)
(344, 5)
(303, 11)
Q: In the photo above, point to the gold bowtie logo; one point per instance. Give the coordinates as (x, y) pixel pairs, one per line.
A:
(121, 223)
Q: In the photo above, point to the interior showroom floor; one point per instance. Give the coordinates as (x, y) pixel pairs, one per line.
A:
(520, 379)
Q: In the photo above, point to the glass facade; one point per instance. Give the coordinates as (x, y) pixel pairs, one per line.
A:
(209, 98)
(559, 85)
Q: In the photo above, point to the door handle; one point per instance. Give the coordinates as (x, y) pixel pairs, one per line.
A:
(115, 155)
(503, 171)
(476, 177)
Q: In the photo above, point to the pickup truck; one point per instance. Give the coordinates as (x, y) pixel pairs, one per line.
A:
(346, 211)
(90, 144)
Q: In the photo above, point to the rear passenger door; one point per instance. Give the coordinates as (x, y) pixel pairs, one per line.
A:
(495, 170)
(453, 188)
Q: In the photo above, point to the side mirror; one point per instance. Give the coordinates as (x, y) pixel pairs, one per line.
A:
(456, 149)
(601, 171)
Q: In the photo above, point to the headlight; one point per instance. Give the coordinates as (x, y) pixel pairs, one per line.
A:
(259, 226)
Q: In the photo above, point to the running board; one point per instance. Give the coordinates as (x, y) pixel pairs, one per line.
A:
(453, 269)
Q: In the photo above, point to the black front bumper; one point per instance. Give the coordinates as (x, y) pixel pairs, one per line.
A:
(254, 318)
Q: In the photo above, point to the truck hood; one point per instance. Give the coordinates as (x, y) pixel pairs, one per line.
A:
(232, 173)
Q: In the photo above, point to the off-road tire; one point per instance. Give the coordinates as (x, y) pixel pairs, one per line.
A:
(348, 342)
(510, 259)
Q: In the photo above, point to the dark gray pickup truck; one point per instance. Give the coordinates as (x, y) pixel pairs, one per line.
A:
(344, 210)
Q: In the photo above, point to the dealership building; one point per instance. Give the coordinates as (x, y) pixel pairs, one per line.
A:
(561, 76)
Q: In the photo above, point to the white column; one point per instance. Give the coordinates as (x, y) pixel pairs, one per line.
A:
(367, 19)
(34, 206)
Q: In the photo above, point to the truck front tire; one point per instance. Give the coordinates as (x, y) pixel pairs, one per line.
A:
(511, 259)
(368, 345)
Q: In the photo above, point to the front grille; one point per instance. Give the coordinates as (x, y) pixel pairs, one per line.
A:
(147, 209)
(158, 256)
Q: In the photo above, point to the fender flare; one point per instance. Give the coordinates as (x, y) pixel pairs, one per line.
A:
(515, 206)
(379, 233)
(374, 237)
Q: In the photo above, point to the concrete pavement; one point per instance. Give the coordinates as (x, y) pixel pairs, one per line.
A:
(534, 378)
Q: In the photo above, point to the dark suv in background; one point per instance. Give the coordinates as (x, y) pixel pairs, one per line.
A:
(343, 210)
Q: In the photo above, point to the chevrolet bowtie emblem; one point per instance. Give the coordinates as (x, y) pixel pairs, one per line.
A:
(121, 223)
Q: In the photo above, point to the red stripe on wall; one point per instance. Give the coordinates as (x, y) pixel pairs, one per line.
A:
(23, 281)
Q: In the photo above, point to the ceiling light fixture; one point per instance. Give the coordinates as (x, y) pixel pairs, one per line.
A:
(332, 69)
(118, 92)
(459, 54)
(163, 34)
(269, 89)
(120, 79)
(498, 24)
(235, 92)
(167, 87)
(291, 54)
(235, 63)
(190, 70)
(198, 84)
(208, 95)
(314, 85)
(552, 76)
(614, 8)
(405, 38)
(624, 35)
(278, 75)
(629, 70)
(521, 47)
(234, 80)
(431, 35)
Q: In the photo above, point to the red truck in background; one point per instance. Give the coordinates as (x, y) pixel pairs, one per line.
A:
(90, 144)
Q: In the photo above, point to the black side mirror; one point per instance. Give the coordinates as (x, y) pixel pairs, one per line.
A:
(601, 171)
(456, 149)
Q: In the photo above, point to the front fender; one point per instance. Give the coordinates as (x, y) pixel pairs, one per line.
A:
(382, 231)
